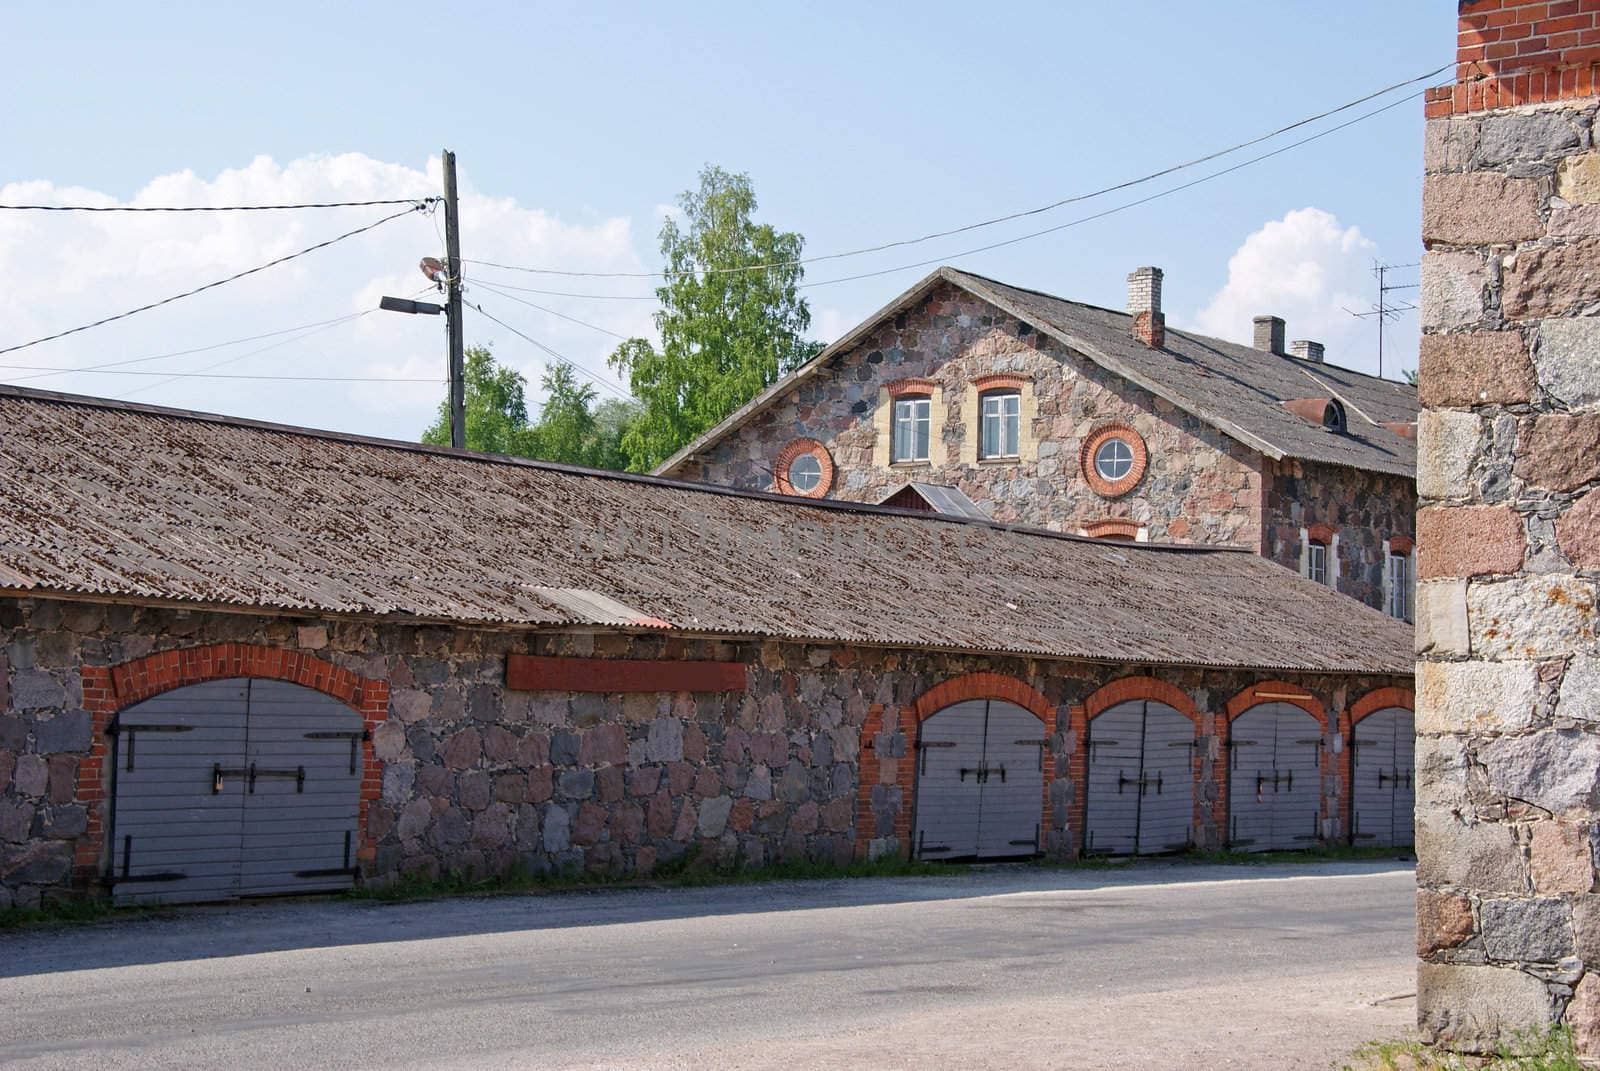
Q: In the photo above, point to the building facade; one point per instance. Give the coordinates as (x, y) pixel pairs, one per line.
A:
(1508, 923)
(1059, 415)
(240, 659)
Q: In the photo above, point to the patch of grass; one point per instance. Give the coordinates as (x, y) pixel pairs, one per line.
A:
(688, 870)
(1552, 1050)
(59, 913)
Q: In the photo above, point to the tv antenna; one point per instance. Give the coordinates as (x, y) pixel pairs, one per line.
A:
(1384, 311)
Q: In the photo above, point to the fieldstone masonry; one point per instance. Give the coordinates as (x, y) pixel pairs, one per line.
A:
(1508, 753)
(813, 759)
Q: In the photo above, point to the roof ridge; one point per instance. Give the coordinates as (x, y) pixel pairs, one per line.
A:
(642, 479)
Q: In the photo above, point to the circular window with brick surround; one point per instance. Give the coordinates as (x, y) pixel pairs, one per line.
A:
(1113, 459)
(804, 468)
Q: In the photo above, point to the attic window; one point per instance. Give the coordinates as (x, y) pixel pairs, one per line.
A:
(1113, 459)
(805, 468)
(1333, 417)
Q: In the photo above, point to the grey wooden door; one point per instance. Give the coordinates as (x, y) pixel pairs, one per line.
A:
(980, 782)
(176, 825)
(234, 788)
(1274, 779)
(1383, 793)
(1141, 780)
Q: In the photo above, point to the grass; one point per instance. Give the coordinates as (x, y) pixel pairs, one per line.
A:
(60, 913)
(686, 871)
(1550, 1051)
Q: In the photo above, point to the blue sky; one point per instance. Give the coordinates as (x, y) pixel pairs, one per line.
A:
(575, 124)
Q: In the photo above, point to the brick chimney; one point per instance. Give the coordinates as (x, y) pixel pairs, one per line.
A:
(1305, 349)
(1144, 305)
(1269, 334)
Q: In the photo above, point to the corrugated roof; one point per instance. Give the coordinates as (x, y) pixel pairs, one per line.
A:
(1237, 389)
(941, 499)
(131, 502)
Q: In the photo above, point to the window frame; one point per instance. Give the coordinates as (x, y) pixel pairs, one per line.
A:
(1006, 421)
(1089, 451)
(909, 403)
(791, 452)
(1317, 562)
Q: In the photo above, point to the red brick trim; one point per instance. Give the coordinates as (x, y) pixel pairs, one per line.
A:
(916, 386)
(1401, 544)
(1381, 699)
(1126, 688)
(1112, 529)
(982, 686)
(1277, 692)
(1000, 381)
(109, 689)
(1095, 439)
(786, 457)
(1509, 54)
(1320, 533)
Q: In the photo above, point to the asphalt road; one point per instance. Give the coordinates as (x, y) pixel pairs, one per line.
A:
(1145, 967)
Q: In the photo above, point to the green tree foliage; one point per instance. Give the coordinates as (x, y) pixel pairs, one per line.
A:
(1410, 374)
(725, 335)
(496, 409)
(571, 429)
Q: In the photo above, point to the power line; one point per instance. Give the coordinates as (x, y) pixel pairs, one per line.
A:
(418, 202)
(987, 222)
(1118, 208)
(173, 377)
(492, 288)
(285, 379)
(567, 293)
(188, 352)
(210, 286)
(564, 360)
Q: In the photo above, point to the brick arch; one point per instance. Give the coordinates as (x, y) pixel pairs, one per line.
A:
(984, 686)
(1381, 699)
(1126, 688)
(108, 689)
(1277, 692)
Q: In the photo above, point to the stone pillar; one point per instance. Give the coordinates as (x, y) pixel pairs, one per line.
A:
(1508, 534)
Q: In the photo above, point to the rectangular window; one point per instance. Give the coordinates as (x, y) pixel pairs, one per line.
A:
(1002, 415)
(1317, 562)
(1400, 586)
(911, 429)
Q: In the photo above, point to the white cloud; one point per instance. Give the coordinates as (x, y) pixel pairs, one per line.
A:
(59, 270)
(1308, 269)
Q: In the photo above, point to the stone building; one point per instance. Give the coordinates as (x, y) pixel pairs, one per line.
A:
(239, 658)
(1079, 419)
(1508, 756)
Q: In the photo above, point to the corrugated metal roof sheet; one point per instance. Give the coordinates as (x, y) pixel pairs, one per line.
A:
(942, 499)
(128, 502)
(1236, 389)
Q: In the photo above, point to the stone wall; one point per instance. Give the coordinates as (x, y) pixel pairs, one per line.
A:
(1200, 486)
(1508, 756)
(1364, 508)
(470, 775)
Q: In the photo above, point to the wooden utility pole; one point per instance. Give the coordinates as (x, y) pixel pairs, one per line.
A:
(453, 325)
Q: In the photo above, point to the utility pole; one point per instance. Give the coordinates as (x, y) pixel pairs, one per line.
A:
(1383, 312)
(453, 325)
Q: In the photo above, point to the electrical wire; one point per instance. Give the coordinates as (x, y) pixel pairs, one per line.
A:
(174, 377)
(285, 379)
(417, 201)
(493, 289)
(210, 286)
(185, 353)
(567, 293)
(1118, 208)
(546, 349)
(987, 222)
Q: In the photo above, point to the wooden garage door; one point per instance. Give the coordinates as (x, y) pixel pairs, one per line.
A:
(1382, 788)
(1141, 780)
(980, 780)
(234, 788)
(1274, 779)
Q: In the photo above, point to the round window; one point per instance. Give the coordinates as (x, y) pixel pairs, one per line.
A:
(1113, 460)
(803, 468)
(805, 472)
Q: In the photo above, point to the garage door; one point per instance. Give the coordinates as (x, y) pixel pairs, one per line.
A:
(234, 788)
(1383, 792)
(1141, 780)
(1274, 776)
(980, 779)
